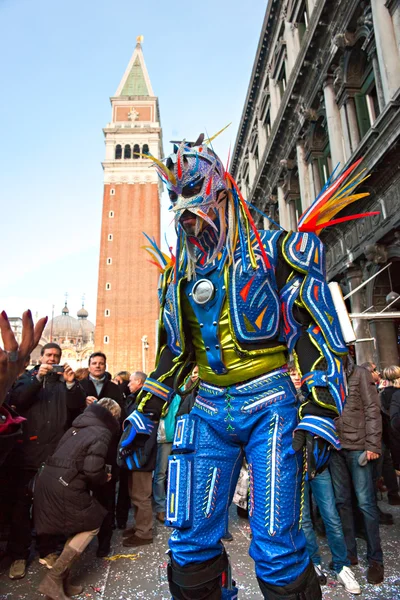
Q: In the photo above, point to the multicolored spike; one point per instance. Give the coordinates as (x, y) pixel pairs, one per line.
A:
(335, 196)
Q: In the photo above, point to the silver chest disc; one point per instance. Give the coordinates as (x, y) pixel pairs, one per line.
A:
(203, 291)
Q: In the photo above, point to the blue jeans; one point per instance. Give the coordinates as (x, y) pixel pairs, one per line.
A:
(324, 496)
(160, 475)
(345, 473)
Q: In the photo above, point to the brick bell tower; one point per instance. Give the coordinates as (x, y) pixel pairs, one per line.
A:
(127, 304)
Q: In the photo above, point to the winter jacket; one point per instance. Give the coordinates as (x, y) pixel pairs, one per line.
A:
(360, 425)
(49, 408)
(395, 414)
(62, 500)
(113, 391)
(390, 438)
(10, 430)
(109, 389)
(187, 403)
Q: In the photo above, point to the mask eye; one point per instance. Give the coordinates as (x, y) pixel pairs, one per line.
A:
(193, 188)
(172, 195)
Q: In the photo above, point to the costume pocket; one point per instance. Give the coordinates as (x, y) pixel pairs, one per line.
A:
(184, 438)
(179, 509)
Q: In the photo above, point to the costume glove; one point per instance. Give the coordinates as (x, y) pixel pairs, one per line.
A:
(137, 441)
(317, 451)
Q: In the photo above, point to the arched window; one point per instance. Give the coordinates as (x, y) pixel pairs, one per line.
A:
(107, 312)
(136, 148)
(145, 149)
(108, 286)
(127, 151)
(362, 105)
(112, 192)
(109, 261)
(111, 214)
(118, 152)
(106, 339)
(110, 237)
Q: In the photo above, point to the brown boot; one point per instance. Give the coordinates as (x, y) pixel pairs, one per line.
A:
(52, 585)
(70, 589)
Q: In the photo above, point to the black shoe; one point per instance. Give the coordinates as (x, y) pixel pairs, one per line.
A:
(375, 572)
(321, 576)
(385, 518)
(103, 550)
(121, 524)
(242, 512)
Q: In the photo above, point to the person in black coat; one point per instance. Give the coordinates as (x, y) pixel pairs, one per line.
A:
(95, 386)
(390, 397)
(49, 401)
(122, 380)
(140, 480)
(62, 499)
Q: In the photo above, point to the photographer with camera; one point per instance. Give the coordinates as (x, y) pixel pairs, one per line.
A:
(49, 399)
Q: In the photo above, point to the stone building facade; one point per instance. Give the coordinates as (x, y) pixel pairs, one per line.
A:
(127, 305)
(324, 90)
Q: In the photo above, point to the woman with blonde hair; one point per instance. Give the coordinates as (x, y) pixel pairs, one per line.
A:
(392, 374)
(63, 503)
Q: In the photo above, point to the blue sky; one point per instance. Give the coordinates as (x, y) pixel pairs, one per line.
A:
(61, 61)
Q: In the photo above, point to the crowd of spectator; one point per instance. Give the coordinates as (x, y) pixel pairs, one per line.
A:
(61, 486)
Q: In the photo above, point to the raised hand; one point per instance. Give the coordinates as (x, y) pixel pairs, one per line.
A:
(14, 355)
(69, 374)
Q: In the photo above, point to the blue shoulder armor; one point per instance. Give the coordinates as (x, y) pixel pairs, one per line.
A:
(305, 253)
(168, 294)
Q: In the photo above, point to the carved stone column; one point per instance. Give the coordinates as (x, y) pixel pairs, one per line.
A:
(310, 7)
(353, 124)
(304, 176)
(284, 218)
(387, 50)
(292, 215)
(346, 133)
(364, 350)
(252, 169)
(262, 138)
(384, 331)
(266, 224)
(378, 82)
(316, 177)
(292, 45)
(275, 99)
(396, 22)
(334, 123)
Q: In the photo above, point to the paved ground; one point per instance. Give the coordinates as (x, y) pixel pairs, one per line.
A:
(143, 574)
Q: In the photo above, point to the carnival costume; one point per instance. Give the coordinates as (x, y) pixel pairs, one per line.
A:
(237, 302)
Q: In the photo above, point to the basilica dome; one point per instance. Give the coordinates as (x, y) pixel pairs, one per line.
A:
(75, 336)
(67, 329)
(63, 326)
(86, 327)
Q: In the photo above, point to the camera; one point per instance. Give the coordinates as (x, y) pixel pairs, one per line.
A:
(58, 369)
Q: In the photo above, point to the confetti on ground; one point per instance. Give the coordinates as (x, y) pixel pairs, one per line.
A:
(118, 556)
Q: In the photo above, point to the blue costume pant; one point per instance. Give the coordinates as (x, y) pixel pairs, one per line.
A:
(257, 418)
